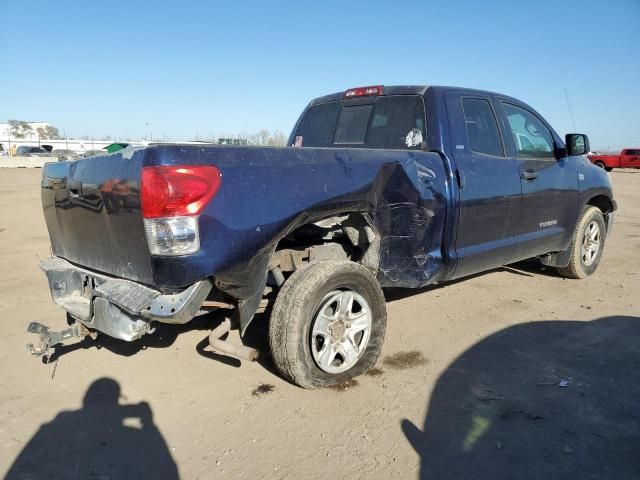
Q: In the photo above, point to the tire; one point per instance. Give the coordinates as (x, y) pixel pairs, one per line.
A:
(307, 327)
(599, 164)
(586, 253)
(608, 169)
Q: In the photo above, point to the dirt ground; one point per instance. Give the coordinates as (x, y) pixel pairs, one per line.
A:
(468, 386)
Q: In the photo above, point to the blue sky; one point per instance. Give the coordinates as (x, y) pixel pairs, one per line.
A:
(205, 67)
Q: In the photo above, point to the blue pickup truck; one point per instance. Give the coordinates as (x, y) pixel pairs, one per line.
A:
(401, 186)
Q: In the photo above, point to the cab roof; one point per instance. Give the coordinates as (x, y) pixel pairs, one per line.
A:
(405, 90)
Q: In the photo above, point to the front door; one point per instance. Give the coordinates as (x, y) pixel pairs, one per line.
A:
(550, 189)
(490, 191)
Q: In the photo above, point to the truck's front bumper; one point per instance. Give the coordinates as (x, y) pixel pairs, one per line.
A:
(119, 308)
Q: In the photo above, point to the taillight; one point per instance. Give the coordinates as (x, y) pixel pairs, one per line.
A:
(363, 91)
(172, 197)
(172, 191)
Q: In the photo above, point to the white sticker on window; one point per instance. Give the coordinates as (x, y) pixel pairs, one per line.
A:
(414, 138)
(298, 142)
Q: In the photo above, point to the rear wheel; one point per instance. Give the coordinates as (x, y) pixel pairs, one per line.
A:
(599, 164)
(587, 245)
(327, 324)
(608, 169)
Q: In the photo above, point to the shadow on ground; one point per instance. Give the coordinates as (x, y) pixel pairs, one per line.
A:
(102, 440)
(165, 336)
(500, 411)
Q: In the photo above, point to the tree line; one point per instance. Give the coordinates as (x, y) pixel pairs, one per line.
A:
(22, 129)
(261, 137)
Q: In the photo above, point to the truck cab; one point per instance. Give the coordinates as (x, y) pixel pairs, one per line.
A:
(630, 158)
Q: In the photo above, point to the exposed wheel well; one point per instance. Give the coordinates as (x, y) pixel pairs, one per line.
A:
(350, 236)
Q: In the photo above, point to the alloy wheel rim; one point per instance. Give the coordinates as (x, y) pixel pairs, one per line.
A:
(590, 243)
(340, 331)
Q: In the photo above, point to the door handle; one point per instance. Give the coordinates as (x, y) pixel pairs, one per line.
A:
(529, 174)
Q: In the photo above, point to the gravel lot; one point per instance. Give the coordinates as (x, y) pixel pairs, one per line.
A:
(468, 385)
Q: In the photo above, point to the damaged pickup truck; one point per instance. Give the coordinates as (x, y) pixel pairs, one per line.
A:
(402, 186)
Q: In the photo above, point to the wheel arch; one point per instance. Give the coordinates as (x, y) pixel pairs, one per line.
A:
(603, 202)
(606, 205)
(305, 242)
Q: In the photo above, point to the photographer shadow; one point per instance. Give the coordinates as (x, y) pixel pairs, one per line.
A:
(104, 439)
(538, 400)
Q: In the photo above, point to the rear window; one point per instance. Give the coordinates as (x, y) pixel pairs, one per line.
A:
(393, 122)
(352, 127)
(318, 126)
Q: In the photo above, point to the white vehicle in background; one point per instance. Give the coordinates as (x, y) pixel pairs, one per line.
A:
(93, 153)
(63, 154)
(3, 152)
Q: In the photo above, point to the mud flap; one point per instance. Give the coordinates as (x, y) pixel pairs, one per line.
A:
(558, 259)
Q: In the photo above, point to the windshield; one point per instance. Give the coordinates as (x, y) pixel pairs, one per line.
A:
(391, 122)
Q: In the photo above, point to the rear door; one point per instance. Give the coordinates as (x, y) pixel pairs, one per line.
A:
(550, 188)
(490, 190)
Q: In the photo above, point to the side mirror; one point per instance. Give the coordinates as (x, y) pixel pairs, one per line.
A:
(576, 144)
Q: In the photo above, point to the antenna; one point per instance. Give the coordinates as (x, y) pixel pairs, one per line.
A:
(573, 122)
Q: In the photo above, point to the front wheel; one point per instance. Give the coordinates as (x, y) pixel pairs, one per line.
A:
(327, 324)
(587, 245)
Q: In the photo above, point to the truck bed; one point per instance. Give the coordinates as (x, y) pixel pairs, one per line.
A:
(92, 209)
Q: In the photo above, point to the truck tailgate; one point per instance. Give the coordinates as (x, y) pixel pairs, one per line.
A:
(92, 210)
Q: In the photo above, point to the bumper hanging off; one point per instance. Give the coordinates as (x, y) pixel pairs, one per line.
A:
(117, 307)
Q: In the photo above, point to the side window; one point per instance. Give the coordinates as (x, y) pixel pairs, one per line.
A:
(532, 138)
(482, 127)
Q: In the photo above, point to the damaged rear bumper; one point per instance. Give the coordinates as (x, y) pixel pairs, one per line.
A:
(119, 308)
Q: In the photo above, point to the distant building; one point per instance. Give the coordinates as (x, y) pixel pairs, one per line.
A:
(5, 131)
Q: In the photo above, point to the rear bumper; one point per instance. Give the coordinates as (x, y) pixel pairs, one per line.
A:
(119, 308)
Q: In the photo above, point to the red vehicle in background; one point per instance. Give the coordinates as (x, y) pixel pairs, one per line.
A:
(628, 158)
